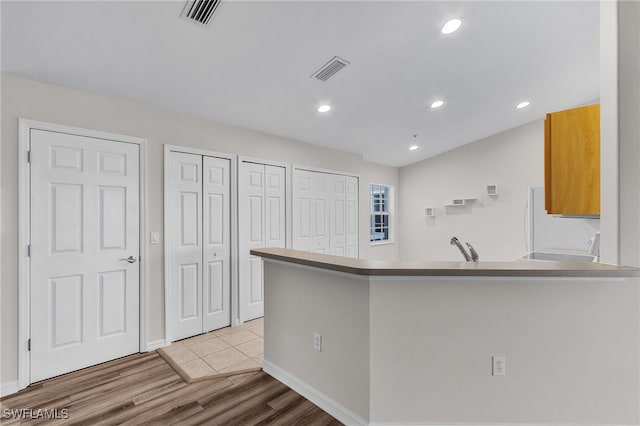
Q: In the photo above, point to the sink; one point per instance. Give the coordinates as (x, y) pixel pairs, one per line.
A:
(560, 257)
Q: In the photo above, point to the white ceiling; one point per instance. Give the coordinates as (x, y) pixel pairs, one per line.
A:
(251, 66)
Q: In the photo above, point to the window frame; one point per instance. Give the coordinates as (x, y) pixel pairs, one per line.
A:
(388, 212)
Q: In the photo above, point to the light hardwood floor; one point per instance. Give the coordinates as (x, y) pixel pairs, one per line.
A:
(144, 389)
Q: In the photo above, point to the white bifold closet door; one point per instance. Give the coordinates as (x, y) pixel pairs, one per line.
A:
(325, 216)
(343, 215)
(200, 246)
(311, 212)
(351, 219)
(262, 221)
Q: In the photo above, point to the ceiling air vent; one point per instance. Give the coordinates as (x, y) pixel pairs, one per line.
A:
(329, 69)
(200, 11)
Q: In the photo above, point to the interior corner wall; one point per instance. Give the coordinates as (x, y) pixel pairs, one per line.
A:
(609, 182)
(23, 98)
(494, 225)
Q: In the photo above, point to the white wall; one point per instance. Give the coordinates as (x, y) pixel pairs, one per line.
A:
(609, 199)
(332, 304)
(43, 102)
(629, 131)
(620, 131)
(495, 226)
(556, 335)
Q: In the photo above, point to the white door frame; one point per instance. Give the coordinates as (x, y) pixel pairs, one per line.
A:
(328, 171)
(168, 149)
(24, 233)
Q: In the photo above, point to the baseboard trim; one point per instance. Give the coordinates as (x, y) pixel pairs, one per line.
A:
(7, 388)
(156, 344)
(350, 418)
(332, 407)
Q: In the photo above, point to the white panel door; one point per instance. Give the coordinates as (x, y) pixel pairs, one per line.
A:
(251, 204)
(303, 212)
(186, 244)
(337, 215)
(351, 217)
(216, 294)
(85, 219)
(275, 206)
(262, 207)
(321, 184)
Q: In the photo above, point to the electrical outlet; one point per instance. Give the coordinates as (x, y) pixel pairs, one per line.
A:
(317, 342)
(499, 366)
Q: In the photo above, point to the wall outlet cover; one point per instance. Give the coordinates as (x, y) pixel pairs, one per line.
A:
(499, 366)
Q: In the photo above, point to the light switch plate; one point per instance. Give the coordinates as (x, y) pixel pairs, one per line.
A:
(317, 342)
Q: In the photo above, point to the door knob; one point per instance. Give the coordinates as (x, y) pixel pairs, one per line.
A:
(130, 259)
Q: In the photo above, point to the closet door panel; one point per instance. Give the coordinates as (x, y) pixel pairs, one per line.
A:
(303, 211)
(275, 207)
(216, 291)
(325, 213)
(262, 223)
(185, 255)
(337, 215)
(320, 224)
(351, 217)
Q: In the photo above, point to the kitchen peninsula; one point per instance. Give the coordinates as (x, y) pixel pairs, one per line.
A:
(412, 342)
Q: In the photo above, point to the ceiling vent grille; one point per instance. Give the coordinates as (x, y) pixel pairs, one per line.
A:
(329, 69)
(200, 11)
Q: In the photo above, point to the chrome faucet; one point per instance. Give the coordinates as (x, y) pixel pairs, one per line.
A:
(455, 241)
(474, 253)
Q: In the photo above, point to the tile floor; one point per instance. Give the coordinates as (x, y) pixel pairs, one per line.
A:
(220, 353)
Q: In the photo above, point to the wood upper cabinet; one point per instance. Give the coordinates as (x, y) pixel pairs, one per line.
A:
(572, 161)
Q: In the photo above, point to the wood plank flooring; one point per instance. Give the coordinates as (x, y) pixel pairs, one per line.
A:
(144, 389)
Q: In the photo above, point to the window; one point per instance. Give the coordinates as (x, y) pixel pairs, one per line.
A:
(380, 208)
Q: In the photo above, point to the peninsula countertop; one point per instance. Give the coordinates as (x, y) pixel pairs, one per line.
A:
(519, 268)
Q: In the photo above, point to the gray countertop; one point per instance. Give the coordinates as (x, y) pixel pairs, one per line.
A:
(520, 268)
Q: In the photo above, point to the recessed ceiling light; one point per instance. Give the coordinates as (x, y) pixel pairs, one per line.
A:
(324, 108)
(523, 105)
(437, 104)
(413, 147)
(451, 26)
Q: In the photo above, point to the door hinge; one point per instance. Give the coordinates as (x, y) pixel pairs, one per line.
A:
(29, 345)
(29, 156)
(29, 250)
